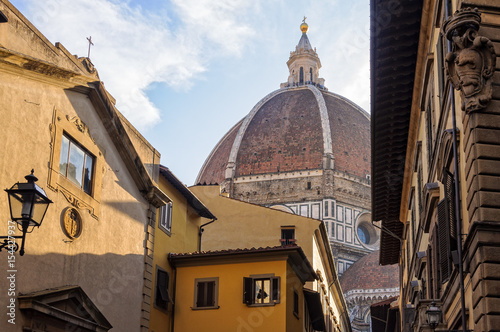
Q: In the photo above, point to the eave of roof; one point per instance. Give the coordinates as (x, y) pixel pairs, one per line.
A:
(394, 45)
(296, 258)
(192, 200)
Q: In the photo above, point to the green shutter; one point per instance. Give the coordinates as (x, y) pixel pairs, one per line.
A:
(247, 290)
(275, 289)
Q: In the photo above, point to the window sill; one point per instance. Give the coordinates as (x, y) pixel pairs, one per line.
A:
(165, 230)
(205, 308)
(262, 304)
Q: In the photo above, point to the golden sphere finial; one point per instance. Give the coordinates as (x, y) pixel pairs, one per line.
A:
(304, 27)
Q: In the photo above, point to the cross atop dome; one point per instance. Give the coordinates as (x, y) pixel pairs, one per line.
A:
(304, 63)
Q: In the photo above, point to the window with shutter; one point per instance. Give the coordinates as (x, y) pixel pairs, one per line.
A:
(165, 219)
(260, 290)
(162, 297)
(449, 192)
(444, 241)
(295, 303)
(206, 293)
(430, 271)
(447, 226)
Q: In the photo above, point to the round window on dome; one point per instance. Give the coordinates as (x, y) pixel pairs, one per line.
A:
(368, 236)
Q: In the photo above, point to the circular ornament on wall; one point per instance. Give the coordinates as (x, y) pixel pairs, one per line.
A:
(72, 223)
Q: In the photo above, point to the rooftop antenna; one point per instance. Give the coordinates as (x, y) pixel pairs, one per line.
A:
(90, 44)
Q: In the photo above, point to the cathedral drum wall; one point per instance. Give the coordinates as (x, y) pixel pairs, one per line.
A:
(290, 187)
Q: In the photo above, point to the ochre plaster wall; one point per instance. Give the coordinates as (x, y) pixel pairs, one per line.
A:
(233, 314)
(183, 238)
(244, 225)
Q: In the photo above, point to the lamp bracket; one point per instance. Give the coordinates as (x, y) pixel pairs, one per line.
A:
(10, 245)
(387, 231)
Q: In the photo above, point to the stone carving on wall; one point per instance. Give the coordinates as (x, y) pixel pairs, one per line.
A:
(471, 63)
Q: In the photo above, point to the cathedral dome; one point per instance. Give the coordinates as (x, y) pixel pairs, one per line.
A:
(368, 274)
(299, 127)
(295, 128)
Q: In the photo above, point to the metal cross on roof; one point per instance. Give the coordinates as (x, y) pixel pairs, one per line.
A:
(90, 44)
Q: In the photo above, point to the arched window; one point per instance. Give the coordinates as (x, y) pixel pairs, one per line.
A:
(301, 75)
(311, 74)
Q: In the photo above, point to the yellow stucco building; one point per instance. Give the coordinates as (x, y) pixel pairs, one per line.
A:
(245, 225)
(242, 290)
(177, 230)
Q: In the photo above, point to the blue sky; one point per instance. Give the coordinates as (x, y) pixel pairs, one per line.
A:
(185, 71)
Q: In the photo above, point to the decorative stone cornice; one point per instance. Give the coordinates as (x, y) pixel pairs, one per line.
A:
(470, 64)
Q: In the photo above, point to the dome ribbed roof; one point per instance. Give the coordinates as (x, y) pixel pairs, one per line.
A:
(292, 129)
(366, 273)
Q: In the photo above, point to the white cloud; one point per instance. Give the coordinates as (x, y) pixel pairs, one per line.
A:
(134, 48)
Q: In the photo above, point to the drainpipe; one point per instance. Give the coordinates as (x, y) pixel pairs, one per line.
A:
(457, 196)
(201, 232)
(173, 299)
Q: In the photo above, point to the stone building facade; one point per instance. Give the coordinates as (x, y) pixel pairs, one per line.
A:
(87, 267)
(436, 158)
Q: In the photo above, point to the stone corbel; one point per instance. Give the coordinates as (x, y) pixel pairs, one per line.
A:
(77, 203)
(471, 63)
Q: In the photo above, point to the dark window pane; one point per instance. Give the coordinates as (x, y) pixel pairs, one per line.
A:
(87, 174)
(201, 292)
(210, 300)
(63, 159)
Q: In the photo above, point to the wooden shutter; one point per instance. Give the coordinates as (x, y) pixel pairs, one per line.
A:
(444, 240)
(247, 290)
(449, 192)
(162, 297)
(210, 289)
(199, 294)
(275, 289)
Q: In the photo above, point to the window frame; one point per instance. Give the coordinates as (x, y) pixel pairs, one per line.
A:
(197, 281)
(86, 154)
(165, 218)
(75, 128)
(168, 299)
(249, 296)
(287, 231)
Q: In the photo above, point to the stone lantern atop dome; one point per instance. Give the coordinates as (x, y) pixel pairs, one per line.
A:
(304, 63)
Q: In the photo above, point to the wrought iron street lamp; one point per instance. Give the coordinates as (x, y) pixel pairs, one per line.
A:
(28, 204)
(433, 315)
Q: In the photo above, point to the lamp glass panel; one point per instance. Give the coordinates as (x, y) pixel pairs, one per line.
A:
(39, 208)
(16, 205)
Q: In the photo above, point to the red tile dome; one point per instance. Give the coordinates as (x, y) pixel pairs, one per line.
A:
(293, 129)
(367, 273)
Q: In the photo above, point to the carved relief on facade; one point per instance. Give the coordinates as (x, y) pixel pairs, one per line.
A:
(471, 63)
